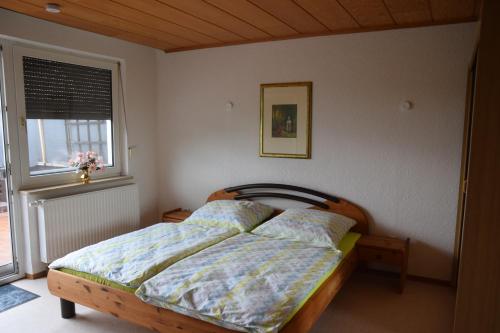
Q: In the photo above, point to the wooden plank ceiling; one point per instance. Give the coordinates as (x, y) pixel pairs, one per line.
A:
(177, 25)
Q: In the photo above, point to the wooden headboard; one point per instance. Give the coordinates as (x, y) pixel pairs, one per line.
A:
(329, 203)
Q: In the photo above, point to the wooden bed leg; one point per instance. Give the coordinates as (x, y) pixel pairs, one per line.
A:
(67, 309)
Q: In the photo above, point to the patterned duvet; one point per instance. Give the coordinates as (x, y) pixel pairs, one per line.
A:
(132, 258)
(247, 282)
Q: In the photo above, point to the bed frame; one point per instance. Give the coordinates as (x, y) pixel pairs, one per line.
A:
(121, 304)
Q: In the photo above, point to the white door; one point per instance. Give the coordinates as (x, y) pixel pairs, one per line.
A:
(9, 268)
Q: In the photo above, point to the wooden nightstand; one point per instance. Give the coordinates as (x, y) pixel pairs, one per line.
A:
(385, 250)
(176, 215)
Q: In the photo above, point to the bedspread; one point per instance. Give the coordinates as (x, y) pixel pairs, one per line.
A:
(247, 283)
(134, 257)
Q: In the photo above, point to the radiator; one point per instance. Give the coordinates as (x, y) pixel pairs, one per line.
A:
(69, 223)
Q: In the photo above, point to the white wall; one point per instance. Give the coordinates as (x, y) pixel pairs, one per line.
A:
(403, 168)
(140, 91)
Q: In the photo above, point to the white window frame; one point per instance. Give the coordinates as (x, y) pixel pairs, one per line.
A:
(69, 176)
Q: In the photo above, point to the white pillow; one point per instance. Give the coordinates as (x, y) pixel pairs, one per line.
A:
(312, 226)
(241, 215)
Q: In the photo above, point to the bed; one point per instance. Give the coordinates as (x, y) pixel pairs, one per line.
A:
(124, 304)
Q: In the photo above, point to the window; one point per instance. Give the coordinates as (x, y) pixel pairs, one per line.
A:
(69, 105)
(67, 138)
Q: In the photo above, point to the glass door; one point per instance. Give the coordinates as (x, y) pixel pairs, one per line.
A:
(8, 261)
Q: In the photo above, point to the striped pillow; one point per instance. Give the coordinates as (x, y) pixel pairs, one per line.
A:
(241, 215)
(316, 227)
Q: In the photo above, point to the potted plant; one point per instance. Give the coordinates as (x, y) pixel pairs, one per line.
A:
(87, 163)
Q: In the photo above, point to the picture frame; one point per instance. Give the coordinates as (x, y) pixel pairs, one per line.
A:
(286, 119)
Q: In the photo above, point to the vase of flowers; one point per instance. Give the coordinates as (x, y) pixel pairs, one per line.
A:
(87, 163)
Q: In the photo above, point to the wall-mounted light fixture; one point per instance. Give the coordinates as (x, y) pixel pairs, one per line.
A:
(406, 106)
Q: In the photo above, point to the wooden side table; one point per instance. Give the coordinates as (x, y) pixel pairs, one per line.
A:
(386, 250)
(176, 215)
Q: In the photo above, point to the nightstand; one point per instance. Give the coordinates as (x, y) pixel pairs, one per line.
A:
(176, 215)
(385, 250)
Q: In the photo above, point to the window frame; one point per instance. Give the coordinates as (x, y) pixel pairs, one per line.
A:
(63, 177)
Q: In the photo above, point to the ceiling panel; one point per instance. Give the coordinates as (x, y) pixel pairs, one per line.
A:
(168, 13)
(176, 25)
(447, 10)
(368, 13)
(330, 13)
(292, 14)
(409, 11)
(255, 16)
(209, 13)
(132, 15)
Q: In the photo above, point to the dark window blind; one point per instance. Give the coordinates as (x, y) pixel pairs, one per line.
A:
(57, 90)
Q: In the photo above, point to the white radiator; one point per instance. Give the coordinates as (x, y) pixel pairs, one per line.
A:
(69, 223)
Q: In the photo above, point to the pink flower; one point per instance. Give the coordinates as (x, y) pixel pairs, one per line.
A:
(89, 161)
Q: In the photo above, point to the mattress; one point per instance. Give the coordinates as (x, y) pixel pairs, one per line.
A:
(247, 283)
(124, 262)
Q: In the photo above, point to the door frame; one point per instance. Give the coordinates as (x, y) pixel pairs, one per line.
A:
(10, 127)
(464, 167)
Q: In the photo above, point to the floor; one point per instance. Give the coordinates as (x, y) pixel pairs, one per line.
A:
(368, 303)
(5, 245)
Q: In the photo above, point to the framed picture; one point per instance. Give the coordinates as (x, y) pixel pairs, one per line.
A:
(285, 119)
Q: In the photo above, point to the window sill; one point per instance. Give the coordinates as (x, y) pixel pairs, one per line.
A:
(93, 185)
